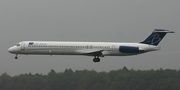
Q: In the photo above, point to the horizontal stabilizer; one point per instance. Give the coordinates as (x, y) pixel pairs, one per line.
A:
(163, 31)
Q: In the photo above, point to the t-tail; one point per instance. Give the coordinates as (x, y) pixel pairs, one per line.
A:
(156, 37)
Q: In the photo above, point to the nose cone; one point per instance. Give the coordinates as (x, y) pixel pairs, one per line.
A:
(14, 50)
(11, 50)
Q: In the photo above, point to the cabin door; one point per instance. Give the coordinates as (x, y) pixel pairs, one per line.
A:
(113, 47)
(22, 46)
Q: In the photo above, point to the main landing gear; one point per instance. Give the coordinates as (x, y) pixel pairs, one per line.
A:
(16, 57)
(96, 59)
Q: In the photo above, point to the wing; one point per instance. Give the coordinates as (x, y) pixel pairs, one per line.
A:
(92, 52)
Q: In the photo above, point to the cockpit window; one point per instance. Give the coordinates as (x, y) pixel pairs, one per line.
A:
(17, 44)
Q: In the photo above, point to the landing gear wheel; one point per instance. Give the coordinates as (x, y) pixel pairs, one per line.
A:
(96, 59)
(16, 57)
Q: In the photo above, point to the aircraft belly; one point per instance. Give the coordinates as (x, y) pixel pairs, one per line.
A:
(70, 51)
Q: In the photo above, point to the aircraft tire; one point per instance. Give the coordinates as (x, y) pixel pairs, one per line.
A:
(96, 60)
(16, 57)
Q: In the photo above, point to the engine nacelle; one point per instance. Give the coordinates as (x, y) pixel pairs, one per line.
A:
(128, 49)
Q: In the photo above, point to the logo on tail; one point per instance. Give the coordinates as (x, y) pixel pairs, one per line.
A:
(156, 39)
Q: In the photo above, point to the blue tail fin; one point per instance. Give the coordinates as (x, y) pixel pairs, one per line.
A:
(156, 36)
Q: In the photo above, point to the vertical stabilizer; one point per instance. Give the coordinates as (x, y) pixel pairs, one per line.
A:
(156, 37)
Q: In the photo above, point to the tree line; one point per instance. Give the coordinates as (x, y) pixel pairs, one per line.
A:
(122, 79)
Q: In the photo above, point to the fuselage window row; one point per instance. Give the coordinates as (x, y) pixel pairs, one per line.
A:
(70, 46)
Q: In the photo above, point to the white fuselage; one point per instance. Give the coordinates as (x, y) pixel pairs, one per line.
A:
(79, 48)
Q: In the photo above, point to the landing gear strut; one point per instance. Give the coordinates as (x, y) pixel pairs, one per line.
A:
(96, 59)
(16, 57)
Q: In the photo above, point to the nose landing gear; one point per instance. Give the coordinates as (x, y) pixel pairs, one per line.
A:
(16, 57)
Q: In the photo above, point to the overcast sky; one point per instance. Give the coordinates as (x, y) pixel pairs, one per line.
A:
(88, 20)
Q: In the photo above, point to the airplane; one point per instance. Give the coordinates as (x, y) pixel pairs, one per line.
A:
(95, 49)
